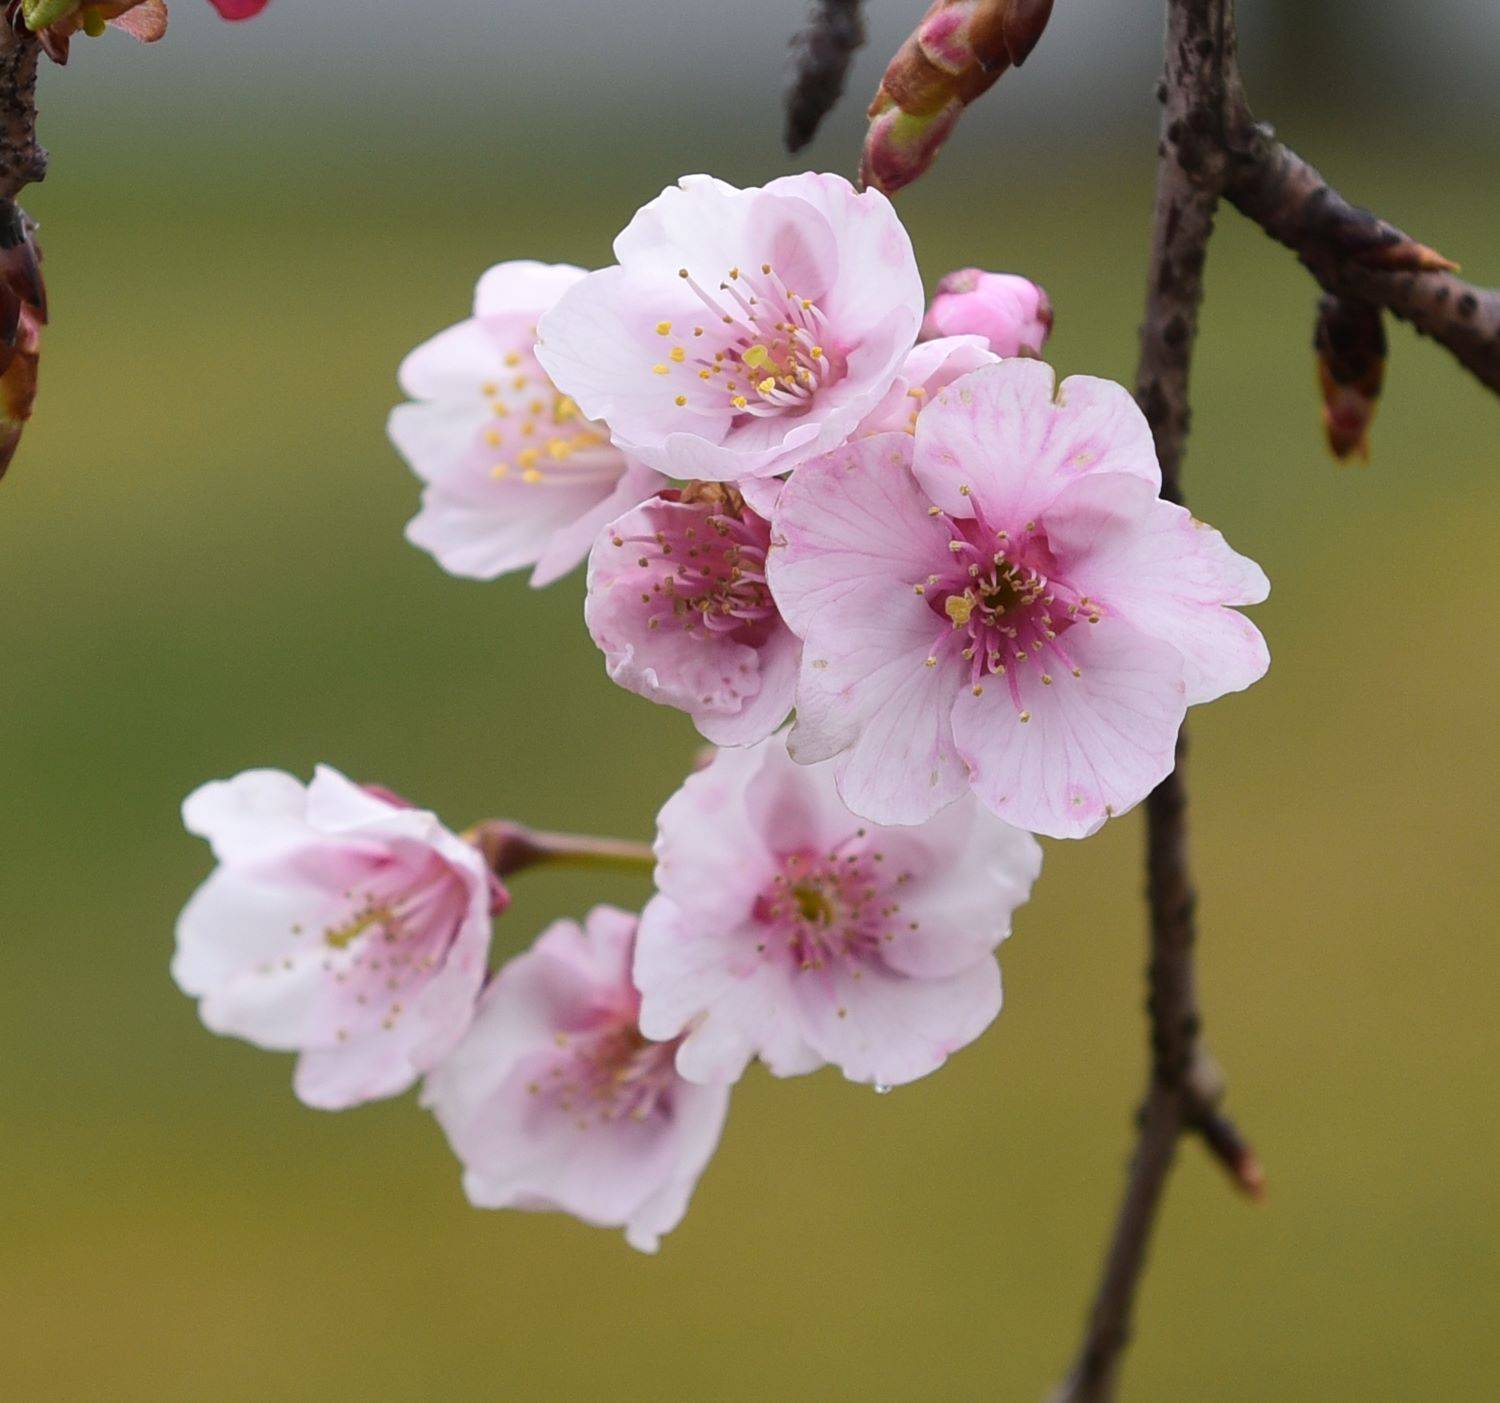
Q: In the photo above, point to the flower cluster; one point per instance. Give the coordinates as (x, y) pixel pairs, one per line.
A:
(799, 492)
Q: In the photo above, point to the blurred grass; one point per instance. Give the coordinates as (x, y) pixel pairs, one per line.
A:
(203, 570)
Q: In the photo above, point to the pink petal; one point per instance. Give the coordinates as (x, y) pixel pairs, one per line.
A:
(1094, 745)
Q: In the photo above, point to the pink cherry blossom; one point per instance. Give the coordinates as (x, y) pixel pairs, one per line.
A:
(742, 331)
(1011, 313)
(239, 9)
(929, 367)
(515, 476)
(786, 928)
(554, 1100)
(1003, 603)
(339, 923)
(678, 602)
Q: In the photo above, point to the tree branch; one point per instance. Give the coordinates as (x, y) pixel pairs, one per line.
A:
(22, 160)
(1199, 87)
(1358, 256)
(821, 55)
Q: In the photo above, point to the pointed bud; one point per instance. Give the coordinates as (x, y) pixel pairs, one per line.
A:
(1350, 342)
(1012, 313)
(23, 313)
(956, 53)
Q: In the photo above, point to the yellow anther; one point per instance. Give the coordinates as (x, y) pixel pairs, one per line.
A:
(767, 385)
(489, 389)
(705, 375)
(501, 409)
(559, 448)
(681, 400)
(527, 457)
(816, 353)
(513, 359)
(564, 409)
(500, 470)
(677, 354)
(531, 475)
(739, 401)
(493, 437)
(664, 328)
(658, 369)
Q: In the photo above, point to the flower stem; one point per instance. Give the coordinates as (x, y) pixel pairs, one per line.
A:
(510, 848)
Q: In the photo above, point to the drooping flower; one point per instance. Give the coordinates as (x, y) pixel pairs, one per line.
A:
(1003, 603)
(554, 1100)
(514, 475)
(1012, 313)
(929, 366)
(679, 605)
(340, 924)
(786, 928)
(742, 331)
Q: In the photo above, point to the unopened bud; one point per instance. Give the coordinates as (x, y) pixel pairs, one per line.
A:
(1012, 313)
(1351, 347)
(23, 313)
(955, 54)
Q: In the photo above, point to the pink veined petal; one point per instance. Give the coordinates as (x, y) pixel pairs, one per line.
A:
(890, 1030)
(1164, 572)
(254, 813)
(852, 525)
(523, 286)
(1004, 435)
(867, 695)
(1094, 745)
(700, 1113)
(567, 547)
(776, 662)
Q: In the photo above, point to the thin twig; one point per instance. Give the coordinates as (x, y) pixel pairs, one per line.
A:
(1184, 1086)
(22, 160)
(1357, 255)
(821, 55)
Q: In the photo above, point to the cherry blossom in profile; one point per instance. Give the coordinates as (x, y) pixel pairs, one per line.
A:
(679, 605)
(515, 477)
(554, 1100)
(340, 923)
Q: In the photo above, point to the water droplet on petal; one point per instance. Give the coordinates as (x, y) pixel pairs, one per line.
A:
(881, 1089)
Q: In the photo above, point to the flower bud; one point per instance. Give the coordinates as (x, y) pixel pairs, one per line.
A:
(954, 55)
(23, 313)
(1012, 313)
(1351, 347)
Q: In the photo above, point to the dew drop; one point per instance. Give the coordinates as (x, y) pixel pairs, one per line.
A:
(881, 1089)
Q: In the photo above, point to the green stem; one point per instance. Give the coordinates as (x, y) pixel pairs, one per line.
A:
(510, 848)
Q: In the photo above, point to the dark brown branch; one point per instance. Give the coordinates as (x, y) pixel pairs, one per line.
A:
(509, 848)
(821, 55)
(1358, 256)
(1199, 87)
(22, 160)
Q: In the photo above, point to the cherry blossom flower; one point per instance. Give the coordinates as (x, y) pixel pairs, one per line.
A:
(554, 1100)
(929, 367)
(742, 331)
(786, 928)
(239, 9)
(1003, 603)
(340, 924)
(515, 476)
(1012, 313)
(678, 602)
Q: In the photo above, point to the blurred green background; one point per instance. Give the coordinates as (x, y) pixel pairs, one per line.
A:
(203, 569)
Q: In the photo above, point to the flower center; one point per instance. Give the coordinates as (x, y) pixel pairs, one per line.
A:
(1004, 607)
(831, 909)
(538, 435)
(606, 1075)
(761, 351)
(711, 575)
